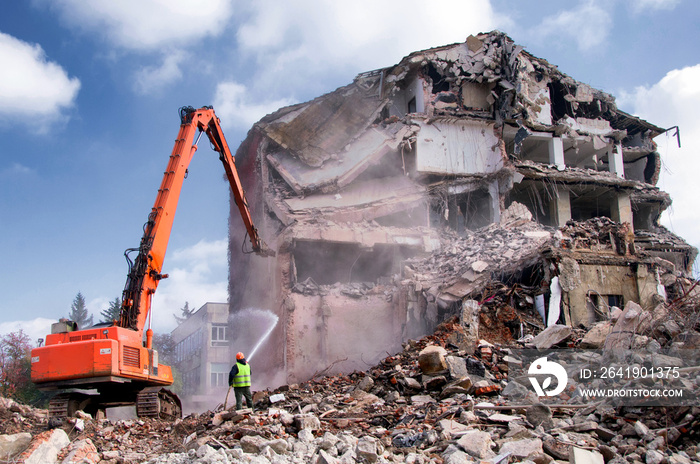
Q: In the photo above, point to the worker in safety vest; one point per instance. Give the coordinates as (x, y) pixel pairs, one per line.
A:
(239, 379)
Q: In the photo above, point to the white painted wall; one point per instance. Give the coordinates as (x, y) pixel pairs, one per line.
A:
(399, 101)
(463, 148)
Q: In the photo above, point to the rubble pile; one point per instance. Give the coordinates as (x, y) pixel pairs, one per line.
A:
(488, 249)
(449, 397)
(431, 402)
(476, 256)
(596, 234)
(516, 244)
(470, 264)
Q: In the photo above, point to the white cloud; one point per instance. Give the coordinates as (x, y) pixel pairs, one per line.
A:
(673, 101)
(16, 169)
(96, 305)
(297, 39)
(147, 25)
(642, 6)
(35, 328)
(588, 25)
(238, 108)
(151, 79)
(198, 274)
(31, 85)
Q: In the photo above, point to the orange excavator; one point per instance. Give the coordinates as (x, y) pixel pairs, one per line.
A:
(110, 364)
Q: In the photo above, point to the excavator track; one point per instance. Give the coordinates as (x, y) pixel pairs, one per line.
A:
(158, 403)
(67, 404)
(58, 406)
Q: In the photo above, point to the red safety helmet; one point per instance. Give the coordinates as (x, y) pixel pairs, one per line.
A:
(239, 355)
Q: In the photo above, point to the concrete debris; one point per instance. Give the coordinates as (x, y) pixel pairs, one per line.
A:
(45, 447)
(523, 449)
(11, 445)
(539, 414)
(82, 452)
(432, 359)
(632, 321)
(393, 412)
(552, 335)
(596, 336)
(583, 456)
(477, 443)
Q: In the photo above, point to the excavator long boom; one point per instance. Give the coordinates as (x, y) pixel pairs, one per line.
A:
(145, 270)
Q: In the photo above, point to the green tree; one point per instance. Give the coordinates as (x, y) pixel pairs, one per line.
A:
(165, 345)
(112, 313)
(185, 313)
(79, 312)
(15, 370)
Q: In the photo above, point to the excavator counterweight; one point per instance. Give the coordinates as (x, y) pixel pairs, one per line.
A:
(111, 364)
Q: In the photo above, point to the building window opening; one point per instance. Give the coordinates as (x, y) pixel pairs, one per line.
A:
(327, 263)
(413, 217)
(592, 203)
(218, 335)
(466, 211)
(585, 155)
(645, 216)
(439, 82)
(219, 374)
(599, 306)
(537, 197)
(412, 107)
(522, 143)
(561, 107)
(529, 278)
(384, 114)
(189, 347)
(643, 169)
(190, 382)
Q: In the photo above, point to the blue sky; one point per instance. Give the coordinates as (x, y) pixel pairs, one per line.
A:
(90, 91)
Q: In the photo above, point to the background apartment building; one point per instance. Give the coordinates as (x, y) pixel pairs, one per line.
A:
(203, 356)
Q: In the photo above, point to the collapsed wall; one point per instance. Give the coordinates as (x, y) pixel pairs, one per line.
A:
(397, 198)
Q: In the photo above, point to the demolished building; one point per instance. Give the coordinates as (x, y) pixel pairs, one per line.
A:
(400, 199)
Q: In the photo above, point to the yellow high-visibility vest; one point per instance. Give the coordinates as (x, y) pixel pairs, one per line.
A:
(242, 379)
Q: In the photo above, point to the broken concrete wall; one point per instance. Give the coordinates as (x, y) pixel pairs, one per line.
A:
(535, 91)
(255, 282)
(341, 332)
(476, 96)
(604, 286)
(341, 306)
(317, 130)
(458, 148)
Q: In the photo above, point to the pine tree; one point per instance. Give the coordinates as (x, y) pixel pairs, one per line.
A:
(113, 312)
(185, 313)
(79, 312)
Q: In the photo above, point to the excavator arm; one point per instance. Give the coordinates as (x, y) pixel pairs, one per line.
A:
(145, 270)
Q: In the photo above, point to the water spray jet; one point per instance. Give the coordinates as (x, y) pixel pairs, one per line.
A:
(266, 319)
